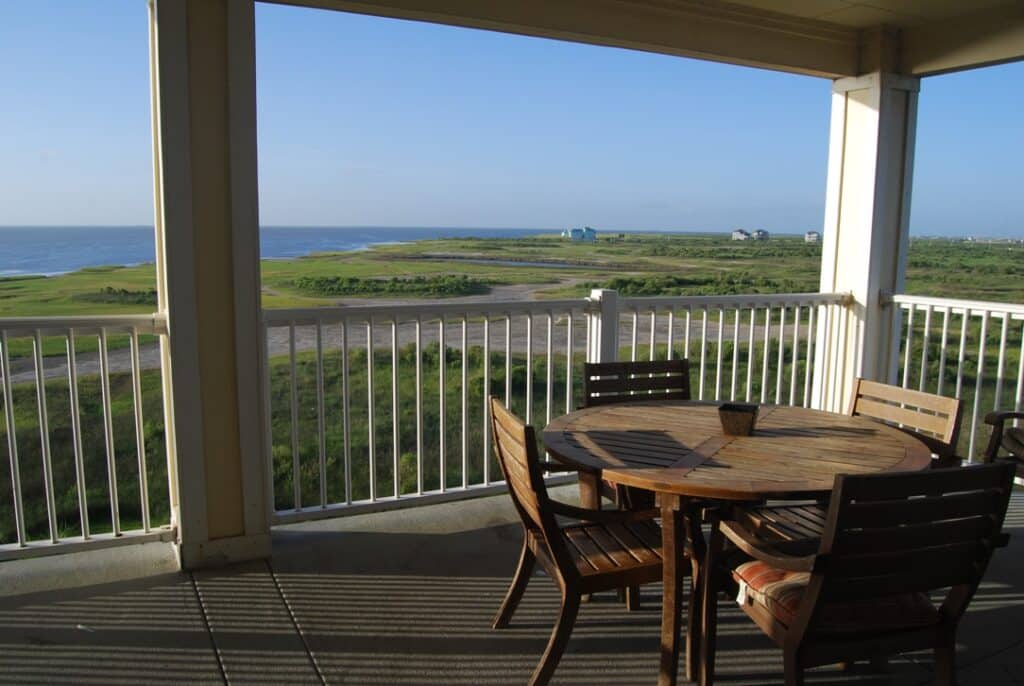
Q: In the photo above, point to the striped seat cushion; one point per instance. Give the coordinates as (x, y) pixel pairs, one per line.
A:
(780, 592)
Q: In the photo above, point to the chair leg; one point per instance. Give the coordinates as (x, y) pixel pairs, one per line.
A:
(515, 590)
(633, 598)
(559, 639)
(945, 663)
(794, 673)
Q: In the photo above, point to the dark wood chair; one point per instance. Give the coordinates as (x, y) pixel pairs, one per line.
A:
(623, 382)
(889, 541)
(602, 550)
(605, 383)
(933, 419)
(1009, 439)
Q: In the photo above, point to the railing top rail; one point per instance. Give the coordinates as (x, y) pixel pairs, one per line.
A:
(742, 300)
(427, 311)
(155, 323)
(954, 305)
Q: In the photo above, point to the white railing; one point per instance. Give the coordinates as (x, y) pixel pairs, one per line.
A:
(973, 350)
(358, 420)
(72, 389)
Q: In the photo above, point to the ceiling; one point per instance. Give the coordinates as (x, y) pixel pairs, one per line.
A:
(859, 14)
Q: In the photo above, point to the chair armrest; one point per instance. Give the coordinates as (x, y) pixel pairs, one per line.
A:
(549, 466)
(1000, 416)
(776, 556)
(602, 516)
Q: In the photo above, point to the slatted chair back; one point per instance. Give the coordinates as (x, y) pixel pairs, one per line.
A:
(619, 382)
(913, 533)
(933, 419)
(515, 444)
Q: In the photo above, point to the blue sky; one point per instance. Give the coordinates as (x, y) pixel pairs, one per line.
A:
(366, 121)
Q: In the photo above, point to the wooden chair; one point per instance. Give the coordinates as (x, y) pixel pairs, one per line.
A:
(604, 550)
(1009, 439)
(932, 419)
(623, 382)
(605, 383)
(889, 541)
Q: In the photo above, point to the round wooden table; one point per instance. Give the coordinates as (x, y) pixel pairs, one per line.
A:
(677, 449)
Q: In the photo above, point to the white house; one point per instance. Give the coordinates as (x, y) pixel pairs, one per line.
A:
(740, 235)
(812, 237)
(585, 234)
(760, 235)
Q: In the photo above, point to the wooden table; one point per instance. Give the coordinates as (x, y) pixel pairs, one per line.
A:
(677, 450)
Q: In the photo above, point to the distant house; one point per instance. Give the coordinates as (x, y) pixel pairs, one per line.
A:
(759, 235)
(740, 235)
(812, 237)
(585, 234)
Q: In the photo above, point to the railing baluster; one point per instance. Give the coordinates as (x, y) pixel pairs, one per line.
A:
(464, 391)
(44, 436)
(909, 342)
(962, 354)
(549, 372)
(671, 328)
(703, 350)
(371, 409)
(978, 383)
(654, 323)
(508, 360)
(1020, 377)
(487, 401)
(636, 325)
(568, 363)
(441, 388)
(396, 435)
(809, 359)
(781, 361)
(76, 433)
(321, 429)
(718, 361)
(767, 350)
(735, 352)
(942, 350)
(925, 337)
(345, 422)
(419, 405)
(1001, 361)
(750, 353)
(140, 438)
(12, 441)
(108, 432)
(294, 408)
(529, 369)
(794, 355)
(686, 336)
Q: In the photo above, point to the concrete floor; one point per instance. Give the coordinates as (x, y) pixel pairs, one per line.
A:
(405, 598)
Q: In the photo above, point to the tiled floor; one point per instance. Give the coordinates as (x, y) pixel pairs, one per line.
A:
(406, 598)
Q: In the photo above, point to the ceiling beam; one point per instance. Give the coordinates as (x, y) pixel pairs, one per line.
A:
(965, 42)
(704, 29)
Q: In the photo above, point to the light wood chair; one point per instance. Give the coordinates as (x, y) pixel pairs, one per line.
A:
(1008, 439)
(932, 419)
(603, 550)
(889, 541)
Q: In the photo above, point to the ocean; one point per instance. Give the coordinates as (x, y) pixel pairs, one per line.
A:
(49, 250)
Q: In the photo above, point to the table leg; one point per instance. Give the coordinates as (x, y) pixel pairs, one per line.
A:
(590, 498)
(672, 521)
(695, 540)
(709, 591)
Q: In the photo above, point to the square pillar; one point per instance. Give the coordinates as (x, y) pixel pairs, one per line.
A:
(202, 57)
(866, 229)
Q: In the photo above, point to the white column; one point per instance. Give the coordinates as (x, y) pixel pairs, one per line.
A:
(865, 237)
(603, 345)
(207, 237)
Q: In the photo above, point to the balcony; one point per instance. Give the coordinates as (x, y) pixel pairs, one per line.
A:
(406, 597)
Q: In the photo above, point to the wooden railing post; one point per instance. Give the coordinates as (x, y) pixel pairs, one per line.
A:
(603, 345)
